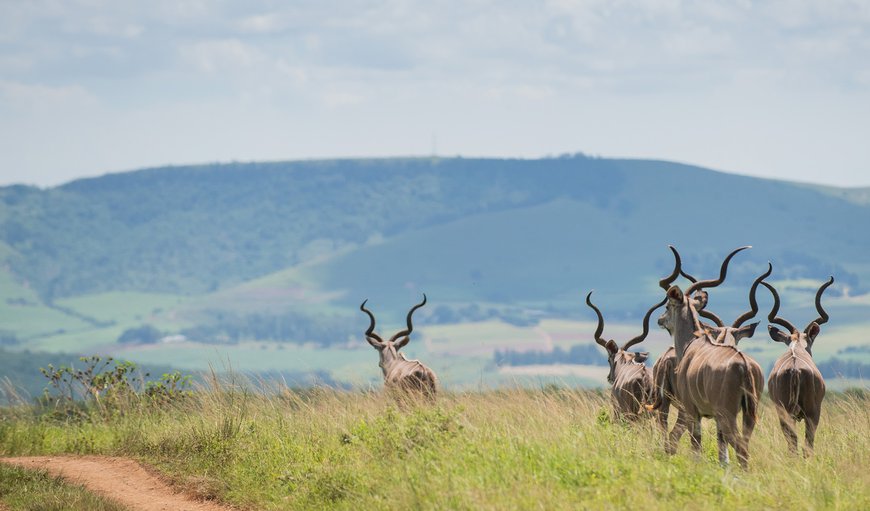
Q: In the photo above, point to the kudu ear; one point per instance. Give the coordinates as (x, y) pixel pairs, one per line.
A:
(402, 342)
(700, 298)
(778, 335)
(611, 347)
(375, 343)
(745, 331)
(675, 294)
(641, 357)
(812, 331)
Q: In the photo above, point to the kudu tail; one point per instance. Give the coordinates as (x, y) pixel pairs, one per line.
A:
(750, 393)
(792, 382)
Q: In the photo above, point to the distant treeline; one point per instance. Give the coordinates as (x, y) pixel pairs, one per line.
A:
(224, 327)
(584, 354)
(8, 338)
(446, 315)
(839, 368)
(590, 354)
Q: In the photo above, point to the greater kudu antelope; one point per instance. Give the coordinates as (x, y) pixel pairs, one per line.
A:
(631, 381)
(795, 384)
(663, 370)
(711, 379)
(400, 373)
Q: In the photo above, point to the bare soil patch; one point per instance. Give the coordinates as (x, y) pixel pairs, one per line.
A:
(120, 479)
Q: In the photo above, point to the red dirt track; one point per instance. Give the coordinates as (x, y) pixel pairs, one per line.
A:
(120, 479)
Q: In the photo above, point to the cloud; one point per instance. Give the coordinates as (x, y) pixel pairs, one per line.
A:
(338, 99)
(260, 24)
(498, 66)
(27, 96)
(221, 56)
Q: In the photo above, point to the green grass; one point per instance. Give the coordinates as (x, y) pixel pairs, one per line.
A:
(126, 307)
(29, 322)
(23, 313)
(35, 490)
(89, 340)
(547, 449)
(293, 288)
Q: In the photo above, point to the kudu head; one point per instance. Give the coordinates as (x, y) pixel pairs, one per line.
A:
(700, 297)
(805, 338)
(614, 352)
(731, 335)
(389, 349)
(681, 316)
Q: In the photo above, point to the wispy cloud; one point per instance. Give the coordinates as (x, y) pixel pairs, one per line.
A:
(422, 63)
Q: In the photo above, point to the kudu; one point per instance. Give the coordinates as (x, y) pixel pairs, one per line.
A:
(711, 379)
(795, 384)
(630, 380)
(663, 369)
(400, 373)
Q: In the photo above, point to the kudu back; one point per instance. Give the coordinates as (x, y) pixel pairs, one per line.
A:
(407, 376)
(630, 379)
(795, 384)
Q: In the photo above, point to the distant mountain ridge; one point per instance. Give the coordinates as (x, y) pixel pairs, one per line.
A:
(498, 230)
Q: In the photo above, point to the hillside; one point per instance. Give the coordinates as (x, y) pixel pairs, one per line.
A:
(190, 230)
(245, 258)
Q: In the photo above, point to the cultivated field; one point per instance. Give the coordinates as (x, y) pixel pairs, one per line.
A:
(515, 449)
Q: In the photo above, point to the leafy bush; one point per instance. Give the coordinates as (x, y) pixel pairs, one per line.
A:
(108, 387)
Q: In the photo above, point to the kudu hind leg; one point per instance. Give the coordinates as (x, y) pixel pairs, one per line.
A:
(787, 424)
(731, 435)
(662, 418)
(695, 431)
(662, 414)
(812, 422)
(677, 432)
(750, 419)
(722, 444)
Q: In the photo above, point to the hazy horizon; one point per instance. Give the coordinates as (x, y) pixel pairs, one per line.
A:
(411, 156)
(769, 89)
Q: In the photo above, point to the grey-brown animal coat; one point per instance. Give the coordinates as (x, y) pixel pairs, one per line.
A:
(407, 376)
(795, 384)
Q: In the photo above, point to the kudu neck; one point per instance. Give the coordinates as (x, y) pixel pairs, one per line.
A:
(684, 331)
(389, 359)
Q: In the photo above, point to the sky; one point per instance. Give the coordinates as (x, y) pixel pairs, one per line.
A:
(777, 89)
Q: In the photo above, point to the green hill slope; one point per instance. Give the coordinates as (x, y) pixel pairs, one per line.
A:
(286, 251)
(190, 230)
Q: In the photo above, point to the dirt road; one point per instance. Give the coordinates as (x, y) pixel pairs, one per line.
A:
(119, 479)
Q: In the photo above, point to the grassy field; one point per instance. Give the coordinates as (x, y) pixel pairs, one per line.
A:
(29, 490)
(510, 449)
(127, 307)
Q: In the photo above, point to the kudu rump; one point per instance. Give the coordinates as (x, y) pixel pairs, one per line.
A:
(400, 373)
(711, 379)
(631, 380)
(795, 384)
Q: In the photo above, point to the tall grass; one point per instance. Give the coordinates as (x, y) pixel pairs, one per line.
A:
(511, 449)
(35, 490)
